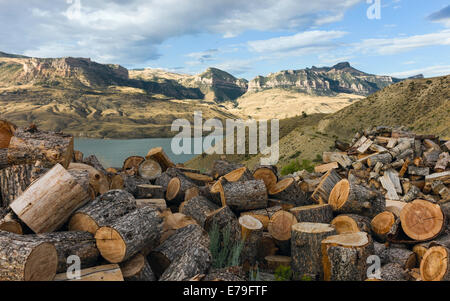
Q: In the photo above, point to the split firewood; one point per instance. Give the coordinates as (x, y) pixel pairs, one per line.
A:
(340, 158)
(81, 244)
(439, 188)
(194, 261)
(110, 272)
(289, 190)
(313, 213)
(159, 204)
(160, 156)
(440, 176)
(385, 224)
(97, 179)
(263, 215)
(309, 185)
(388, 185)
(351, 223)
(306, 249)
(144, 191)
(221, 168)
(269, 174)
(344, 256)
(137, 269)
(242, 196)
(326, 167)
(431, 157)
(400, 148)
(411, 195)
(252, 233)
(198, 208)
(7, 130)
(25, 258)
(384, 158)
(9, 222)
(347, 197)
(131, 165)
(422, 220)
(418, 171)
(129, 234)
(149, 169)
(48, 202)
(175, 246)
(326, 185)
(50, 148)
(102, 211)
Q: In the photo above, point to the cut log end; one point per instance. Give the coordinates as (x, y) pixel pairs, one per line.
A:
(280, 186)
(173, 189)
(422, 220)
(110, 244)
(312, 228)
(82, 222)
(267, 175)
(339, 194)
(280, 225)
(434, 265)
(382, 223)
(41, 264)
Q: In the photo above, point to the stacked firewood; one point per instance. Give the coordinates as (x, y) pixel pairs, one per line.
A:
(385, 194)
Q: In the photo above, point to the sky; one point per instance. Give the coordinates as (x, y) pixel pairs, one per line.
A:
(246, 38)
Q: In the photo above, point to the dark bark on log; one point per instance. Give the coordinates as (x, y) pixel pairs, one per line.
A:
(223, 218)
(3, 158)
(16, 262)
(288, 190)
(221, 168)
(241, 196)
(131, 183)
(393, 272)
(306, 249)
(384, 158)
(226, 274)
(326, 185)
(411, 195)
(175, 246)
(129, 234)
(313, 214)
(9, 222)
(252, 233)
(267, 173)
(137, 269)
(177, 187)
(102, 211)
(93, 161)
(198, 208)
(263, 215)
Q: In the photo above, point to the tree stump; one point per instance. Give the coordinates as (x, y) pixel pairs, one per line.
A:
(252, 232)
(243, 196)
(137, 269)
(288, 190)
(25, 258)
(313, 214)
(351, 223)
(149, 170)
(102, 211)
(347, 197)
(109, 272)
(48, 203)
(81, 244)
(306, 249)
(322, 192)
(345, 256)
(50, 148)
(129, 234)
(195, 260)
(198, 208)
(175, 246)
(422, 220)
(267, 173)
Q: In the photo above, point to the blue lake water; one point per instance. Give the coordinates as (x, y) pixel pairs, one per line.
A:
(112, 152)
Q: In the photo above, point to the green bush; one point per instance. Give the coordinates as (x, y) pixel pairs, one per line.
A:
(283, 273)
(295, 165)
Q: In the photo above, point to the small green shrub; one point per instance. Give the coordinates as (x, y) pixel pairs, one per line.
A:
(283, 273)
(295, 165)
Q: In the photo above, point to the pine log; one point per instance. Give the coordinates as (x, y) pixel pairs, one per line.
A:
(160, 156)
(351, 223)
(137, 269)
(102, 211)
(131, 165)
(306, 249)
(7, 130)
(326, 185)
(344, 256)
(146, 191)
(110, 272)
(25, 258)
(97, 179)
(422, 220)
(81, 244)
(149, 169)
(313, 213)
(221, 168)
(383, 225)
(252, 232)
(196, 260)
(267, 173)
(288, 190)
(175, 246)
(263, 215)
(48, 202)
(129, 234)
(347, 197)
(243, 196)
(9, 222)
(198, 208)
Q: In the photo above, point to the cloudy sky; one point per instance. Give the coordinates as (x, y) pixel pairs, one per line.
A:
(246, 38)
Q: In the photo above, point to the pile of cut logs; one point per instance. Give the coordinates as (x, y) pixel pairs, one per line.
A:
(385, 194)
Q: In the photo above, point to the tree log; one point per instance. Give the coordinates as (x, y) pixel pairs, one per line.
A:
(384, 225)
(149, 169)
(131, 165)
(198, 208)
(393, 272)
(267, 247)
(175, 246)
(48, 203)
(422, 220)
(225, 274)
(147, 191)
(347, 197)
(239, 175)
(93, 161)
(221, 168)
(160, 156)
(313, 213)
(263, 215)
(344, 256)
(351, 223)
(435, 265)
(322, 192)
(97, 179)
(159, 204)
(279, 227)
(25, 258)
(50, 148)
(384, 158)
(137, 269)
(102, 211)
(252, 232)
(9, 222)
(267, 173)
(306, 249)
(242, 196)
(289, 190)
(223, 218)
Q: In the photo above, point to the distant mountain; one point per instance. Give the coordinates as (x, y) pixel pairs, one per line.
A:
(324, 81)
(3, 54)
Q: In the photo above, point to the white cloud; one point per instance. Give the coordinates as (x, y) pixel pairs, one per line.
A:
(427, 71)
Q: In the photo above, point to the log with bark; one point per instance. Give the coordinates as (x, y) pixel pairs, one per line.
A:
(149, 169)
(28, 146)
(306, 249)
(131, 165)
(344, 256)
(221, 168)
(263, 215)
(175, 246)
(252, 232)
(159, 204)
(109, 272)
(322, 192)
(435, 265)
(25, 258)
(384, 225)
(288, 190)
(276, 261)
(323, 168)
(198, 208)
(267, 173)
(198, 178)
(313, 213)
(129, 234)
(224, 218)
(351, 223)
(173, 222)
(267, 247)
(48, 202)
(393, 272)
(147, 191)
(97, 179)
(102, 211)
(9, 222)
(279, 227)
(177, 187)
(160, 156)
(242, 196)
(137, 269)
